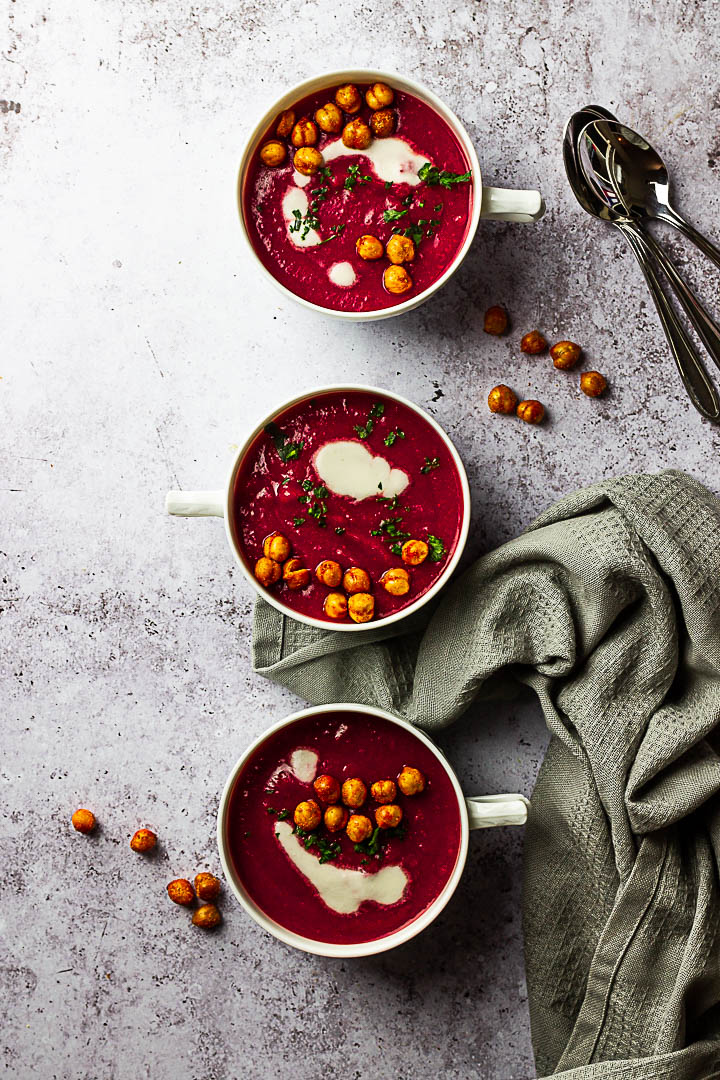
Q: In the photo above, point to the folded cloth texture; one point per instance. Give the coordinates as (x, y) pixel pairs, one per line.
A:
(608, 606)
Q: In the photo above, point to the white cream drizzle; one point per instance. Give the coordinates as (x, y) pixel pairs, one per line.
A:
(347, 467)
(296, 199)
(304, 765)
(391, 159)
(342, 275)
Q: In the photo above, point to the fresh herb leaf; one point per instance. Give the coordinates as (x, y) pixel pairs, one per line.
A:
(285, 481)
(326, 172)
(306, 485)
(407, 201)
(335, 231)
(321, 492)
(287, 450)
(374, 846)
(354, 177)
(339, 530)
(388, 184)
(393, 215)
(437, 548)
(430, 464)
(378, 409)
(396, 548)
(393, 435)
(283, 814)
(432, 176)
(298, 521)
(270, 810)
(438, 207)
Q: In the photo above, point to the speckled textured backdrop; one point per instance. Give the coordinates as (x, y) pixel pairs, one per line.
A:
(139, 344)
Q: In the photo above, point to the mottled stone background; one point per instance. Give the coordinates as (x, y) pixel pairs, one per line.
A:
(138, 345)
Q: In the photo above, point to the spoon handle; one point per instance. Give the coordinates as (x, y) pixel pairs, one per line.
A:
(672, 217)
(694, 377)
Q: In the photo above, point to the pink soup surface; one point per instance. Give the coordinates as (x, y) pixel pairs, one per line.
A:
(272, 495)
(347, 744)
(440, 213)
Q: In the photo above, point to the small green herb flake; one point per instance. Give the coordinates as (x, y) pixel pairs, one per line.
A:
(298, 521)
(286, 448)
(339, 530)
(430, 464)
(354, 177)
(437, 548)
(306, 485)
(432, 176)
(393, 215)
(283, 815)
(388, 184)
(392, 436)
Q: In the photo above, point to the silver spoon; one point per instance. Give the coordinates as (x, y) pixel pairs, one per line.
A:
(597, 159)
(694, 377)
(643, 186)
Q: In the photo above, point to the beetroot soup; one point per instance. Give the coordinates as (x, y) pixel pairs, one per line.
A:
(358, 197)
(339, 774)
(348, 507)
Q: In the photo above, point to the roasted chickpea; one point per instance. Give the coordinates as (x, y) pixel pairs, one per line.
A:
(410, 781)
(383, 123)
(400, 249)
(143, 840)
(329, 573)
(369, 248)
(388, 817)
(285, 123)
(273, 153)
(295, 575)
(379, 96)
(593, 383)
(533, 343)
(356, 580)
(359, 828)
(532, 412)
(207, 886)
(308, 815)
(277, 547)
(397, 280)
(335, 605)
(496, 320)
(305, 133)
(502, 399)
(396, 581)
(354, 792)
(335, 818)
(414, 552)
(357, 135)
(361, 607)
(565, 355)
(83, 821)
(207, 916)
(329, 118)
(308, 160)
(327, 789)
(267, 571)
(348, 98)
(384, 791)
(181, 892)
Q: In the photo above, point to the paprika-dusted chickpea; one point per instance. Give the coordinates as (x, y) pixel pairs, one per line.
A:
(308, 815)
(348, 98)
(327, 789)
(502, 399)
(361, 607)
(410, 781)
(414, 552)
(305, 133)
(532, 412)
(354, 792)
(267, 571)
(379, 96)
(308, 160)
(369, 248)
(359, 828)
(496, 320)
(277, 547)
(207, 916)
(335, 818)
(593, 383)
(400, 249)
(388, 817)
(329, 118)
(273, 153)
(396, 581)
(565, 355)
(329, 573)
(285, 123)
(295, 575)
(384, 791)
(181, 892)
(335, 605)
(356, 580)
(397, 280)
(533, 343)
(357, 135)
(383, 123)
(83, 821)
(207, 886)
(143, 840)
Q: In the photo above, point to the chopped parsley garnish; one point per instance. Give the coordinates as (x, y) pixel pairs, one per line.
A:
(437, 548)
(327, 849)
(392, 436)
(438, 207)
(303, 498)
(320, 491)
(326, 172)
(286, 480)
(396, 548)
(413, 232)
(339, 530)
(388, 184)
(430, 464)
(283, 814)
(407, 201)
(364, 431)
(287, 450)
(391, 528)
(393, 215)
(298, 521)
(354, 177)
(374, 846)
(432, 176)
(335, 231)
(306, 485)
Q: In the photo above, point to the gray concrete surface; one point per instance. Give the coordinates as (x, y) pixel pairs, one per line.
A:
(138, 346)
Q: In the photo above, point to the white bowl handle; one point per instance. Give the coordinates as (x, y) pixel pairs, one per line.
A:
(504, 204)
(195, 503)
(486, 810)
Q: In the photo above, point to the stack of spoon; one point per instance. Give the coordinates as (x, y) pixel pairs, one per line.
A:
(618, 177)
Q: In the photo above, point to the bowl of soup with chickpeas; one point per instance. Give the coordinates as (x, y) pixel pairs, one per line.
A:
(358, 194)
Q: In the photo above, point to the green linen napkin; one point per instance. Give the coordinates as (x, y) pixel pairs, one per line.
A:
(609, 607)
